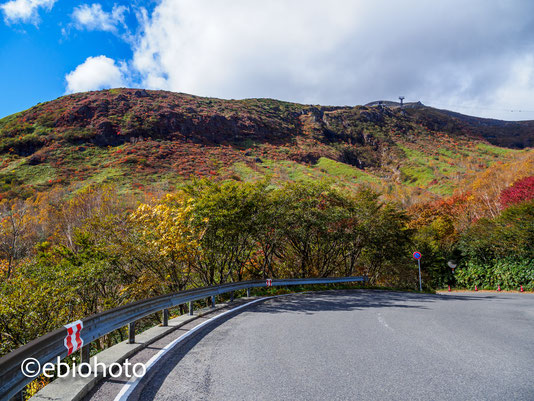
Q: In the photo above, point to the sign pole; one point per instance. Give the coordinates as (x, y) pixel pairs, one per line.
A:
(452, 265)
(417, 256)
(420, 285)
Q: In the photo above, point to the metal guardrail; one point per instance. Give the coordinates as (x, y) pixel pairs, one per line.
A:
(48, 347)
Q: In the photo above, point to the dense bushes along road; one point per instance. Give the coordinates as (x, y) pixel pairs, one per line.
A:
(65, 259)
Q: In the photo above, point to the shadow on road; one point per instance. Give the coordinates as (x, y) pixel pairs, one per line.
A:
(307, 303)
(152, 382)
(302, 303)
(348, 300)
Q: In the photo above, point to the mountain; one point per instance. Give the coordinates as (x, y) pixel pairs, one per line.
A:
(143, 140)
(513, 134)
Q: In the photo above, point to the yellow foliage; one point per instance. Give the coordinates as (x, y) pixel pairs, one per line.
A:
(165, 226)
(488, 185)
(4, 266)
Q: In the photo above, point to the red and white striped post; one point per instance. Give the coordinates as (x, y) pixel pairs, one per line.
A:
(73, 341)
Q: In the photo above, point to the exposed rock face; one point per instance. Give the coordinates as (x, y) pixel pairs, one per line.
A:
(155, 138)
(110, 118)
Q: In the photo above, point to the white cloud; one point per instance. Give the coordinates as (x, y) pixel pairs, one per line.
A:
(237, 49)
(509, 99)
(342, 52)
(475, 57)
(24, 10)
(94, 18)
(96, 73)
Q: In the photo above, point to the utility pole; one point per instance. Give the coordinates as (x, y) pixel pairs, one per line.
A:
(401, 98)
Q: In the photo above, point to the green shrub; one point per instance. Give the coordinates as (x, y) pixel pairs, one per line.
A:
(509, 274)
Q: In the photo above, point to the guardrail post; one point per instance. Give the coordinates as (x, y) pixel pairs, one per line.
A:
(11, 377)
(85, 357)
(232, 296)
(131, 333)
(165, 317)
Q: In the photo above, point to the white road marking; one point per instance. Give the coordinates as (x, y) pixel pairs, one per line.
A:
(383, 321)
(134, 381)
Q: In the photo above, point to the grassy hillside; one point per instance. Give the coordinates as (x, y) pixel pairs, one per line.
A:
(151, 141)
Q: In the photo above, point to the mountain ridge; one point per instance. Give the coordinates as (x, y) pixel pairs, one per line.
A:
(144, 137)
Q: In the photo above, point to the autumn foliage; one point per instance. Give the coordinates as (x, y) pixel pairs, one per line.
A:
(96, 250)
(520, 191)
(115, 196)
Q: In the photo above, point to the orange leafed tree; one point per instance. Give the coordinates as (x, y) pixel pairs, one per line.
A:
(488, 185)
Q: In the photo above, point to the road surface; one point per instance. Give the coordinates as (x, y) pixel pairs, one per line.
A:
(356, 345)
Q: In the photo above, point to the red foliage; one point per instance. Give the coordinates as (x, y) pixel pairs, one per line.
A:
(520, 191)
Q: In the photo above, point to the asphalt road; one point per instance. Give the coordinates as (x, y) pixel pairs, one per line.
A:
(359, 345)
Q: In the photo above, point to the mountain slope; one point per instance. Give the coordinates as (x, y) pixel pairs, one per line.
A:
(153, 140)
(514, 134)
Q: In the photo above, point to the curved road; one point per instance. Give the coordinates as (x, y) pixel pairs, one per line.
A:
(359, 345)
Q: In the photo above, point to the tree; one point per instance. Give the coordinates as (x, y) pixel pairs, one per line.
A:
(509, 235)
(30, 308)
(387, 251)
(486, 189)
(229, 215)
(64, 215)
(164, 241)
(313, 220)
(16, 232)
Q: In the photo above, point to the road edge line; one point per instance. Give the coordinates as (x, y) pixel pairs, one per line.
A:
(128, 388)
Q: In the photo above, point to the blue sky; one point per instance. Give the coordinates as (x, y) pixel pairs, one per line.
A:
(473, 57)
(37, 55)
